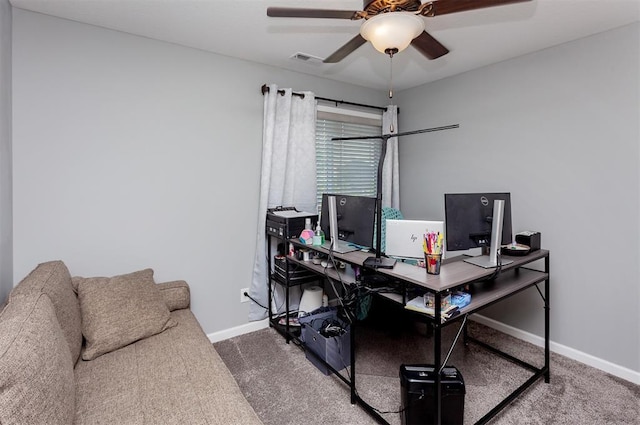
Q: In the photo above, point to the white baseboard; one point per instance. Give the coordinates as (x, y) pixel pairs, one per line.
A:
(588, 359)
(238, 330)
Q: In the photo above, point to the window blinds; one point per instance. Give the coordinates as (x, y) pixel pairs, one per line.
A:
(347, 167)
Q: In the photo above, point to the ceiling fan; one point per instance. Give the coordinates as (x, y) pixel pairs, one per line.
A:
(391, 25)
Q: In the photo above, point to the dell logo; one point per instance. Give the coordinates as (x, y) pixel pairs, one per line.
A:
(343, 201)
(484, 201)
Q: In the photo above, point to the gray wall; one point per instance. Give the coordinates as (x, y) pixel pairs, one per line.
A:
(559, 130)
(133, 153)
(6, 240)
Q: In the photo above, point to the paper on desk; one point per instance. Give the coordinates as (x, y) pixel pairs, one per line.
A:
(292, 214)
(417, 304)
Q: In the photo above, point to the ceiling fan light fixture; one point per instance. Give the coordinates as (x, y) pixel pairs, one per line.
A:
(392, 30)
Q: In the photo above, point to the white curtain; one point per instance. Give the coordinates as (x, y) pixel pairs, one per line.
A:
(390, 169)
(288, 173)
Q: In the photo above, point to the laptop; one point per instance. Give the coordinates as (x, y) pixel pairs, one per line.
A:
(404, 237)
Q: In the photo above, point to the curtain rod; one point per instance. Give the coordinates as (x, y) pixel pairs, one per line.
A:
(265, 89)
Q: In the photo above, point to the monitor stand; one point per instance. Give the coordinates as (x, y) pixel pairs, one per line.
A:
(491, 261)
(484, 261)
(379, 263)
(338, 246)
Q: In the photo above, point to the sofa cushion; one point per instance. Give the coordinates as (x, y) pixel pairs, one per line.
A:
(36, 373)
(175, 377)
(176, 294)
(119, 310)
(53, 279)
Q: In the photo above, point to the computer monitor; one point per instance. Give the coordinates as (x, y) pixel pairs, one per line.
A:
(355, 218)
(476, 220)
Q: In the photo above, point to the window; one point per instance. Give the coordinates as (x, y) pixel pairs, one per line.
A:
(347, 167)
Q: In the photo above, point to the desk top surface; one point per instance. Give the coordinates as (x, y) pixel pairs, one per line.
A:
(453, 272)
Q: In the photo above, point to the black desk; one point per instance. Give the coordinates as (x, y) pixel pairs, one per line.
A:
(513, 278)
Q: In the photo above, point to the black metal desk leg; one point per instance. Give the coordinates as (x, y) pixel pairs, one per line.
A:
(547, 294)
(353, 360)
(269, 311)
(437, 358)
(286, 312)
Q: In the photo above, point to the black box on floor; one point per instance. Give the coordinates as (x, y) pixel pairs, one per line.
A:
(417, 383)
(333, 347)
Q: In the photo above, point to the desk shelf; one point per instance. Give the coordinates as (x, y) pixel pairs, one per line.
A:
(483, 294)
(509, 283)
(330, 273)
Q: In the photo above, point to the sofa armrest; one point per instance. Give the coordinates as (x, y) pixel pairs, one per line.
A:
(176, 294)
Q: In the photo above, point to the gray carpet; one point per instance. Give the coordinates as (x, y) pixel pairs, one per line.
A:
(285, 388)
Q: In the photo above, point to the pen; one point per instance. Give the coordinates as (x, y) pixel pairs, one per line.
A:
(432, 243)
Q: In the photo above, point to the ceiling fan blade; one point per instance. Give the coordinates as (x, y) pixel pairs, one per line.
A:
(345, 50)
(429, 46)
(292, 12)
(443, 7)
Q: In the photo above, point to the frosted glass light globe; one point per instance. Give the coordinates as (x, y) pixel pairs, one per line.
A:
(392, 30)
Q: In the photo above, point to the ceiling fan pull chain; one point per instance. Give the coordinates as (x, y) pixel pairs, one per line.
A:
(391, 78)
(391, 129)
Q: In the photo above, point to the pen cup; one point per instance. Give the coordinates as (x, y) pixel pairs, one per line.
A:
(432, 263)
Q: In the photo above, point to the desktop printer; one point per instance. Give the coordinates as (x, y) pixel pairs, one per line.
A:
(287, 222)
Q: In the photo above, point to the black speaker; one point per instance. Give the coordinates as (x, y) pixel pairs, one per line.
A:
(417, 384)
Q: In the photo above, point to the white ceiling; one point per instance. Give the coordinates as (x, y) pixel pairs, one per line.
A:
(241, 29)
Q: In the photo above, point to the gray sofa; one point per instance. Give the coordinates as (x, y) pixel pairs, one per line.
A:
(119, 350)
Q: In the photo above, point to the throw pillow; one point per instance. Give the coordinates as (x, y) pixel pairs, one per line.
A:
(119, 310)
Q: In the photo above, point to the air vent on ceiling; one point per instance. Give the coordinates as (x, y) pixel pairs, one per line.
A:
(305, 57)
